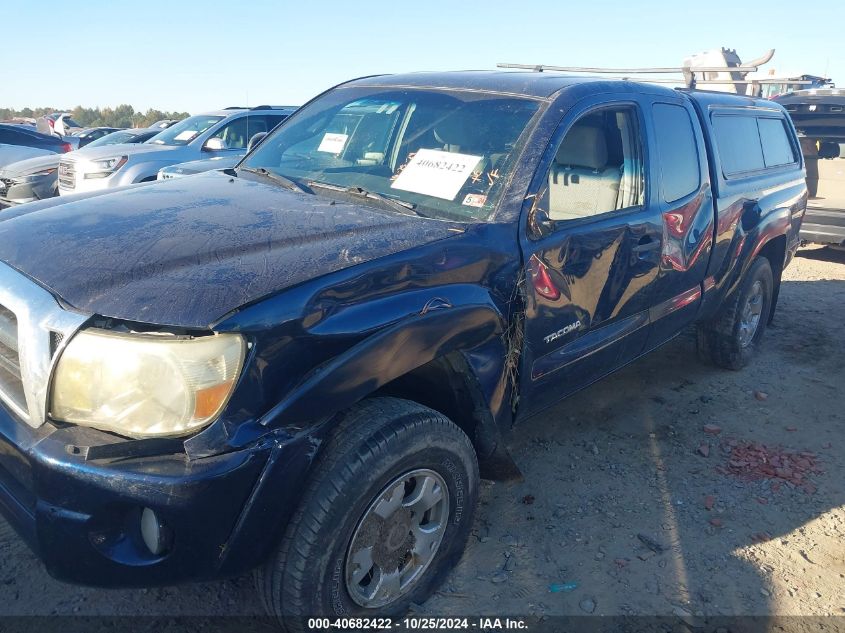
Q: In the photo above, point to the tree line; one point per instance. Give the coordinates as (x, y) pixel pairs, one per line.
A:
(122, 116)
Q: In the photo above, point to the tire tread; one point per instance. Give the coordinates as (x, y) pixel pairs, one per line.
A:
(717, 339)
(364, 431)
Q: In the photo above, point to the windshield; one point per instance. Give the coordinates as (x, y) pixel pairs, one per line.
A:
(447, 153)
(185, 131)
(112, 139)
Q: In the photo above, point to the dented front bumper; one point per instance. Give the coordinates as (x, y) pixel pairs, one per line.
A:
(82, 518)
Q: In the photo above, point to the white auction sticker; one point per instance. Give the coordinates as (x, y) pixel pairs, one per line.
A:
(333, 143)
(185, 135)
(433, 172)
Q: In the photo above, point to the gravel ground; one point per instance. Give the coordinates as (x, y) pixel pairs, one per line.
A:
(620, 511)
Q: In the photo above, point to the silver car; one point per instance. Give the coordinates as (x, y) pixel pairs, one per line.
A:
(214, 134)
(199, 166)
(35, 178)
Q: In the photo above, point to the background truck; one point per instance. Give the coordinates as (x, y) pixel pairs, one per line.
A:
(303, 365)
(819, 117)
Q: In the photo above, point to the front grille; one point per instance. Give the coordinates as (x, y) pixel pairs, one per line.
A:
(11, 386)
(67, 175)
(32, 328)
(5, 183)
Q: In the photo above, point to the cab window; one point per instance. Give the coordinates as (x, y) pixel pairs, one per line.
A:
(677, 151)
(597, 168)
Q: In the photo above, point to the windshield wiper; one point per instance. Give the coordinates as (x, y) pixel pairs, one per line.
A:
(285, 182)
(359, 192)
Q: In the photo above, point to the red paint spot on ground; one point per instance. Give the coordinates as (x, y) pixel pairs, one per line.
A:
(753, 461)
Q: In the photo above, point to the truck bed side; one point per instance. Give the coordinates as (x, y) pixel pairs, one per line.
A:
(756, 212)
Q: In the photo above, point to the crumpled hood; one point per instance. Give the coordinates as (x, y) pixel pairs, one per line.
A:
(186, 252)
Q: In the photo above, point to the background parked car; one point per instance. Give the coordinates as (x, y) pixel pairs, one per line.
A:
(131, 136)
(36, 178)
(219, 133)
(45, 123)
(18, 142)
(90, 134)
(163, 124)
(27, 123)
(57, 123)
(28, 180)
(193, 167)
(198, 166)
(65, 126)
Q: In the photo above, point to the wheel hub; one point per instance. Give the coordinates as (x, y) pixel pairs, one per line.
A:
(397, 530)
(750, 315)
(393, 540)
(397, 538)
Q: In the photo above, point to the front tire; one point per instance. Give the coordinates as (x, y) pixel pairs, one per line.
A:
(733, 337)
(384, 518)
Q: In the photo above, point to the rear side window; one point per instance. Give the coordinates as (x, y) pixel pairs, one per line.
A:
(777, 150)
(676, 147)
(739, 143)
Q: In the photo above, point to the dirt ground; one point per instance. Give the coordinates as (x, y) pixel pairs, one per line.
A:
(617, 472)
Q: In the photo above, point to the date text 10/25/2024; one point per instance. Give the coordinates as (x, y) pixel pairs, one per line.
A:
(417, 623)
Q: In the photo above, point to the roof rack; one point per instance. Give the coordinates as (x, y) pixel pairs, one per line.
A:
(688, 72)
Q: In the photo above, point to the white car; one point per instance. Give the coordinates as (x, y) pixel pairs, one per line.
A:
(223, 133)
(57, 124)
(65, 126)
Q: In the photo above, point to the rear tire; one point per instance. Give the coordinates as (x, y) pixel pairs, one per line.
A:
(733, 337)
(384, 518)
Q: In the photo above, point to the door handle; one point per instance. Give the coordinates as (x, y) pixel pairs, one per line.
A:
(645, 245)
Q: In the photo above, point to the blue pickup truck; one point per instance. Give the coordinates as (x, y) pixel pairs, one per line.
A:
(303, 365)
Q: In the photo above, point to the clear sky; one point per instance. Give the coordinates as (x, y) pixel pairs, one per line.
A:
(197, 55)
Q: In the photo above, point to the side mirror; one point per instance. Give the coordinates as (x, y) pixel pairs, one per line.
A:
(214, 144)
(255, 140)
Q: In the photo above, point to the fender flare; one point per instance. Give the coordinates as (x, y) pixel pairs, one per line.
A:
(760, 233)
(383, 357)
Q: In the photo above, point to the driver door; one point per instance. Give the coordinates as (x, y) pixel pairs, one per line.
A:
(591, 252)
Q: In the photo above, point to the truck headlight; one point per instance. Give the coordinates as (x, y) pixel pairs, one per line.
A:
(105, 167)
(145, 385)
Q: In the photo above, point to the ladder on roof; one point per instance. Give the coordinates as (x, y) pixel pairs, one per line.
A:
(687, 72)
